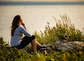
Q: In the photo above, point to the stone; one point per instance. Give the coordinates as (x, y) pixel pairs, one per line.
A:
(28, 48)
(7, 45)
(65, 45)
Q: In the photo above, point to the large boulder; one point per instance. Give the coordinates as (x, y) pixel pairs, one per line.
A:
(65, 45)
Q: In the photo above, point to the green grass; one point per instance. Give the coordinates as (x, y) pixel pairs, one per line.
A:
(21, 55)
(63, 30)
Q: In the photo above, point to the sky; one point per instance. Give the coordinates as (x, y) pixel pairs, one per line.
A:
(44, 0)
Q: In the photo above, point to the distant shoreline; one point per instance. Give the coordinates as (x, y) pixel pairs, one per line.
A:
(41, 3)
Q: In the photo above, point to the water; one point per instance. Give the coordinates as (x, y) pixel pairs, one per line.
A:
(36, 17)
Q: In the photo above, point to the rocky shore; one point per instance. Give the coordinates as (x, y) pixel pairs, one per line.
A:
(58, 46)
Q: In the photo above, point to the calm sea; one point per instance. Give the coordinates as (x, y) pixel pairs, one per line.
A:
(36, 16)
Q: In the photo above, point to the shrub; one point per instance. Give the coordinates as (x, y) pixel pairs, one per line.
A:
(1, 41)
(63, 30)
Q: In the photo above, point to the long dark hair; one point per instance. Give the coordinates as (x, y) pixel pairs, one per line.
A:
(15, 23)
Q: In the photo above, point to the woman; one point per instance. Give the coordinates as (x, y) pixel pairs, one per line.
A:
(17, 30)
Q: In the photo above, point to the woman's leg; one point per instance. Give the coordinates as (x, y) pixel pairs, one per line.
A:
(26, 40)
(34, 44)
(38, 44)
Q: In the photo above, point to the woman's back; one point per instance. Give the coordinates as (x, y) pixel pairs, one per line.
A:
(17, 37)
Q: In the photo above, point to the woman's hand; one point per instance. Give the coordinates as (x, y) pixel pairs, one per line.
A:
(23, 25)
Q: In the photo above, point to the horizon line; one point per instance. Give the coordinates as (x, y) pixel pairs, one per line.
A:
(42, 3)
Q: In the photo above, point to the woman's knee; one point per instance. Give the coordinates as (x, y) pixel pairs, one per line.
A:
(33, 37)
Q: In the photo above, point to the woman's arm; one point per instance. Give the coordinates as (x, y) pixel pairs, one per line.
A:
(25, 31)
(23, 25)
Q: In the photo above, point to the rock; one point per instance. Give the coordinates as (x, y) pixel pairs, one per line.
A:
(7, 45)
(28, 48)
(65, 45)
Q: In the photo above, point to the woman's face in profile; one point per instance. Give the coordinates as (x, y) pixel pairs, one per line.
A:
(21, 21)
